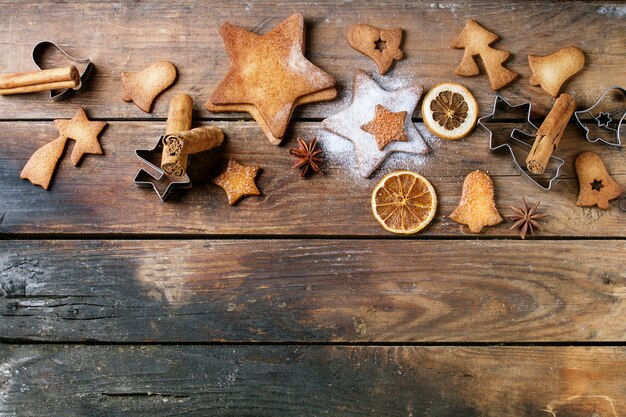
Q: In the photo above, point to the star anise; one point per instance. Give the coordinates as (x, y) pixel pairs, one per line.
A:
(526, 218)
(307, 157)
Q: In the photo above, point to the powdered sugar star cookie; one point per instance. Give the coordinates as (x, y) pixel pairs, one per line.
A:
(367, 95)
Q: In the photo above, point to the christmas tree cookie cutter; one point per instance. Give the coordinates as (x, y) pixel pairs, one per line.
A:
(152, 176)
(607, 117)
(37, 53)
(506, 131)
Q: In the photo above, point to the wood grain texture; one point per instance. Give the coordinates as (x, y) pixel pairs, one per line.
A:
(312, 381)
(99, 196)
(313, 291)
(115, 36)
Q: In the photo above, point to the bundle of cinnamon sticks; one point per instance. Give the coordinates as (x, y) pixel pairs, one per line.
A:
(180, 140)
(44, 80)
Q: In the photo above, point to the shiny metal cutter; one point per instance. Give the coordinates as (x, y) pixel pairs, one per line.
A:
(38, 51)
(507, 132)
(607, 114)
(152, 176)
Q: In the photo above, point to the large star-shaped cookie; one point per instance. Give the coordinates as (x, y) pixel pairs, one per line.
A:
(269, 76)
(367, 95)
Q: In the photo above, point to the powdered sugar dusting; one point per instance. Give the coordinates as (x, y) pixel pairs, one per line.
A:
(348, 122)
(299, 64)
(339, 152)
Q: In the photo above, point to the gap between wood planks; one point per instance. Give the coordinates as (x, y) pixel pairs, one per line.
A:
(19, 341)
(157, 236)
(245, 118)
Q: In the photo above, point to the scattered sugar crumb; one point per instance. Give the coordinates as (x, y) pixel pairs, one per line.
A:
(615, 11)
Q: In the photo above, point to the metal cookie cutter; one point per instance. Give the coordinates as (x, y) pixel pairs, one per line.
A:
(607, 117)
(84, 75)
(506, 131)
(152, 176)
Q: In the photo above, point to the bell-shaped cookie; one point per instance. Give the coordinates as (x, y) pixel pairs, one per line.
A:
(477, 207)
(144, 86)
(551, 72)
(380, 45)
(596, 185)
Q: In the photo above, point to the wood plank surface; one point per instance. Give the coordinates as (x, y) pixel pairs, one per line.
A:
(297, 303)
(91, 199)
(129, 36)
(313, 291)
(312, 381)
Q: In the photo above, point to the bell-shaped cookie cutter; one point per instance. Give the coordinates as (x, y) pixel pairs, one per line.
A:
(506, 131)
(84, 74)
(152, 176)
(605, 123)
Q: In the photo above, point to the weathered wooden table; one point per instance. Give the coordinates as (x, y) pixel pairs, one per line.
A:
(297, 302)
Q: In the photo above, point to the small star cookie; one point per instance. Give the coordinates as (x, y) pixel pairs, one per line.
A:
(238, 181)
(386, 127)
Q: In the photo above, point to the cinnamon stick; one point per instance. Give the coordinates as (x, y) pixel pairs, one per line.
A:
(550, 133)
(178, 120)
(193, 141)
(29, 82)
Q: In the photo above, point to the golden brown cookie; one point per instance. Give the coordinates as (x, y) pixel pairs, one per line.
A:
(386, 127)
(84, 132)
(41, 166)
(324, 95)
(476, 40)
(380, 45)
(596, 185)
(550, 72)
(144, 86)
(269, 76)
(477, 207)
(238, 181)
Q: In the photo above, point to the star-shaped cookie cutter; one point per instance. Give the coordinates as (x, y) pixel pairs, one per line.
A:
(506, 131)
(602, 117)
(152, 176)
(84, 74)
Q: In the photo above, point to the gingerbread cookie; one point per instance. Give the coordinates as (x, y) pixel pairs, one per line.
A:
(596, 185)
(380, 45)
(386, 127)
(238, 181)
(144, 86)
(269, 76)
(477, 207)
(550, 72)
(476, 40)
(41, 166)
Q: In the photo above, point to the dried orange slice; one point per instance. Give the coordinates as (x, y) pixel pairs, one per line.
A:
(404, 202)
(449, 111)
